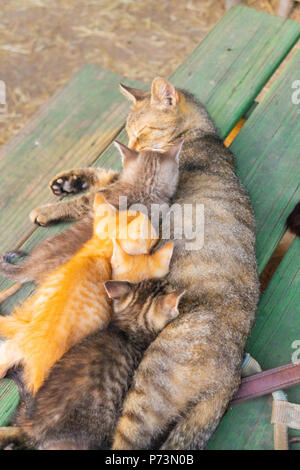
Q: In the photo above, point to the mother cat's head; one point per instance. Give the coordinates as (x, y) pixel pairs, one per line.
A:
(161, 116)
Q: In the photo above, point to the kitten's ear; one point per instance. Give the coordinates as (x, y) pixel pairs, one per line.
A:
(162, 258)
(102, 208)
(118, 289)
(173, 152)
(142, 229)
(169, 304)
(163, 94)
(133, 93)
(127, 154)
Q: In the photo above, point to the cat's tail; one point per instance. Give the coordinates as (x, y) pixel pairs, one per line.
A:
(194, 430)
(293, 220)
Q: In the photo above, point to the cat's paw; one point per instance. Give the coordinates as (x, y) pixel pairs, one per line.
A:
(70, 182)
(42, 216)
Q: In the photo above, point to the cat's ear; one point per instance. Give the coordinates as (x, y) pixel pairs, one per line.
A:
(163, 94)
(118, 289)
(133, 93)
(169, 304)
(141, 229)
(161, 259)
(127, 154)
(102, 208)
(173, 152)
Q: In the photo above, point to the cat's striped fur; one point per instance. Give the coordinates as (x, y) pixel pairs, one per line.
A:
(190, 372)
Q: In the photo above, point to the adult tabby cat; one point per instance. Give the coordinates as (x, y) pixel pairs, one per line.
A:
(190, 372)
(81, 400)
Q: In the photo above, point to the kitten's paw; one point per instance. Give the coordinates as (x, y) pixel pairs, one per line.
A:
(42, 216)
(70, 182)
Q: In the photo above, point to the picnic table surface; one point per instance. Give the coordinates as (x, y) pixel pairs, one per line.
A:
(226, 72)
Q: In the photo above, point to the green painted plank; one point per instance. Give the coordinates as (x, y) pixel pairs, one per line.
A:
(70, 131)
(247, 425)
(234, 61)
(9, 399)
(268, 155)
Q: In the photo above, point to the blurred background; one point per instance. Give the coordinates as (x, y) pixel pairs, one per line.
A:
(44, 42)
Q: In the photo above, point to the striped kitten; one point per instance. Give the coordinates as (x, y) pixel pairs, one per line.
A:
(191, 371)
(81, 400)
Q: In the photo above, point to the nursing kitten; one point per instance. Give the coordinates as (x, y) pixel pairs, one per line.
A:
(191, 371)
(71, 303)
(147, 178)
(81, 400)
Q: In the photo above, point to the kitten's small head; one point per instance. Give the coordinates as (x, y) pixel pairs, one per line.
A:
(132, 228)
(162, 115)
(143, 309)
(136, 268)
(151, 170)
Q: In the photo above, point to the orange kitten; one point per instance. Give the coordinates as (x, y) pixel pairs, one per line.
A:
(71, 303)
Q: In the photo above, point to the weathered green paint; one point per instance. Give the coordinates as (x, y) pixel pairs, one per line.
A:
(268, 156)
(9, 399)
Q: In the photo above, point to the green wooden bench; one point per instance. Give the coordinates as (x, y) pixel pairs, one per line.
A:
(226, 72)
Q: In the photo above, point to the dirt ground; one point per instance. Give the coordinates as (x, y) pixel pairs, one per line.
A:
(44, 42)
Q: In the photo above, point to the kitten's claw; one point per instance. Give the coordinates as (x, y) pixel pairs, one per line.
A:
(68, 183)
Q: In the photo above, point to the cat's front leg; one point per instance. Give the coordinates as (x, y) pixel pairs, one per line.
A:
(72, 210)
(81, 179)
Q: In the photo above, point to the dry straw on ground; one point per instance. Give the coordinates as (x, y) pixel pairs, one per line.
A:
(44, 42)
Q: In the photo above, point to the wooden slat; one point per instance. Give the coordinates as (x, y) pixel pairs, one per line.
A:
(247, 425)
(268, 155)
(9, 398)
